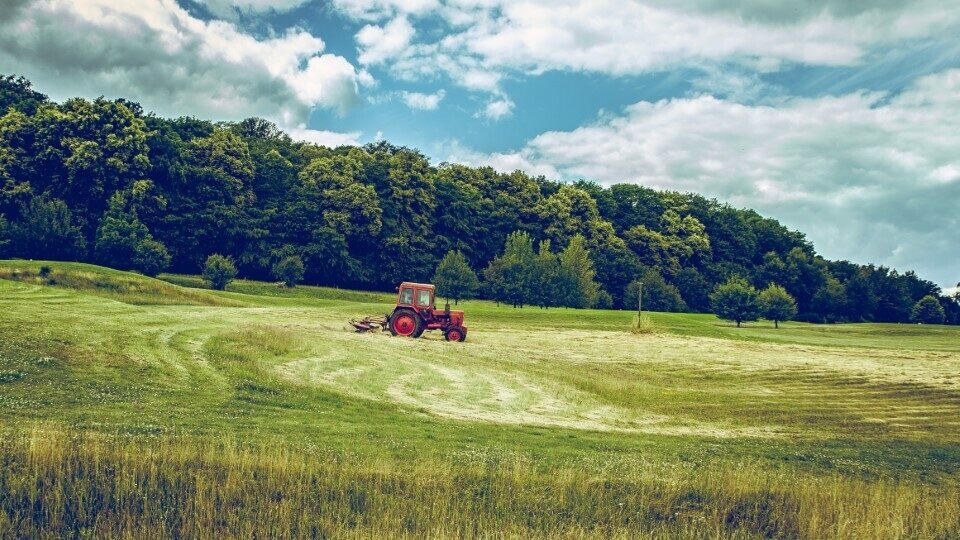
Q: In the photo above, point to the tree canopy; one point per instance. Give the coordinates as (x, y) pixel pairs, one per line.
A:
(102, 181)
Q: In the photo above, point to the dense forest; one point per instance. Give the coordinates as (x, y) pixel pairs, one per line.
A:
(105, 182)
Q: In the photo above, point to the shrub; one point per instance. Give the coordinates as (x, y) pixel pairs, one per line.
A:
(289, 270)
(658, 295)
(603, 301)
(219, 271)
(151, 257)
(643, 325)
(45, 271)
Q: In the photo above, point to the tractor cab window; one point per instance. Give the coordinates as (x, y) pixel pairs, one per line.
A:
(423, 298)
(406, 296)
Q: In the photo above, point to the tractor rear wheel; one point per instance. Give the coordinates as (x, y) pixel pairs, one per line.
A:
(406, 323)
(455, 333)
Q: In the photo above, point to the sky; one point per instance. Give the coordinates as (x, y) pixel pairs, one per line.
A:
(837, 117)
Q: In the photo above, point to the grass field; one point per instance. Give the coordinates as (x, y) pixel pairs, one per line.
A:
(128, 402)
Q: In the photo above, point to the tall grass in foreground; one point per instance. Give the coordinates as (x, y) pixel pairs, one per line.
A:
(54, 485)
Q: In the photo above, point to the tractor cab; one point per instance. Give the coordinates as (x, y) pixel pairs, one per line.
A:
(416, 312)
(416, 295)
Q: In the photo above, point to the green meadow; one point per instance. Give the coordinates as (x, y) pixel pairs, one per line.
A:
(153, 405)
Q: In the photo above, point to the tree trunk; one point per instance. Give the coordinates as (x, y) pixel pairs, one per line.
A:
(776, 324)
(738, 324)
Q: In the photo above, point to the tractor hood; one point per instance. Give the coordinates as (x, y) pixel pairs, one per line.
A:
(456, 315)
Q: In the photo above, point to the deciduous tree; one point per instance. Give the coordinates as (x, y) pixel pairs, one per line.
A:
(454, 278)
(777, 305)
(603, 301)
(658, 295)
(289, 270)
(829, 302)
(575, 284)
(219, 271)
(927, 310)
(736, 300)
(510, 276)
(4, 235)
(46, 230)
(546, 267)
(694, 289)
(124, 242)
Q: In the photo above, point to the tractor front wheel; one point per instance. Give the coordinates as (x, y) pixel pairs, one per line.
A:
(405, 323)
(455, 334)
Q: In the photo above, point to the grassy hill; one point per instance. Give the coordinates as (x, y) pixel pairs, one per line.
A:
(128, 400)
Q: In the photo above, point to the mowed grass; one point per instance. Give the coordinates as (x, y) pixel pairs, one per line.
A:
(544, 423)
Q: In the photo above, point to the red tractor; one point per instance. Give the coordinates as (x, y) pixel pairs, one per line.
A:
(415, 313)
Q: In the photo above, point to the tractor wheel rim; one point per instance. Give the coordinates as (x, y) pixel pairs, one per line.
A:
(454, 335)
(404, 325)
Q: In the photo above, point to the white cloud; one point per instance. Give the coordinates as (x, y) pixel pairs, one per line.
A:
(329, 81)
(497, 109)
(629, 37)
(325, 138)
(730, 83)
(424, 102)
(505, 162)
(947, 173)
(867, 176)
(229, 9)
(486, 39)
(480, 79)
(377, 10)
(380, 43)
(156, 53)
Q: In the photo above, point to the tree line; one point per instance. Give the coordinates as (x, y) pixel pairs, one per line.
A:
(105, 182)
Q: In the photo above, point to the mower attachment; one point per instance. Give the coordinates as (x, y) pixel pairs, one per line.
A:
(367, 324)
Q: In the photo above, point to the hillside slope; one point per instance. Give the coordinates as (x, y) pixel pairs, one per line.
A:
(577, 369)
(552, 388)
